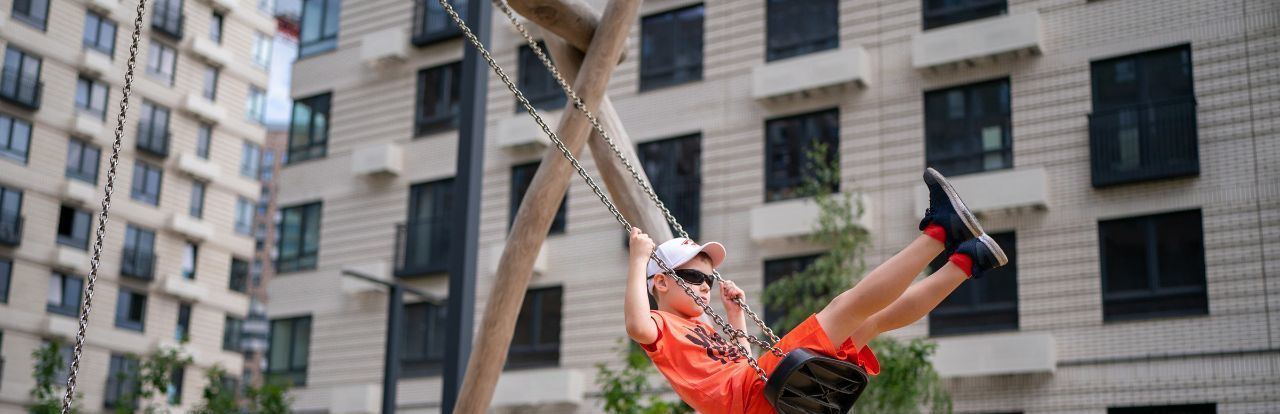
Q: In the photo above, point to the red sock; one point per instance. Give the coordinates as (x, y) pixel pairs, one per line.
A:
(964, 262)
(937, 232)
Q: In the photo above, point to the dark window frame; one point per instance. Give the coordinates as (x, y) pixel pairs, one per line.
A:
(72, 288)
(122, 380)
(295, 373)
(974, 307)
(79, 222)
(87, 158)
(10, 126)
(6, 278)
(131, 303)
(933, 17)
(11, 215)
(146, 183)
(1201, 408)
(306, 257)
(232, 333)
(778, 269)
(209, 84)
(537, 83)
(945, 131)
(204, 140)
(96, 93)
(243, 219)
(29, 16)
(784, 180)
(668, 171)
(216, 25)
(153, 129)
(19, 85)
(327, 39)
(157, 51)
(190, 274)
(167, 18)
(521, 178)
(309, 140)
(1155, 301)
(537, 353)
(199, 190)
(94, 37)
(793, 28)
(239, 278)
(423, 340)
(432, 25)
(182, 330)
(655, 76)
(442, 114)
(427, 226)
(138, 257)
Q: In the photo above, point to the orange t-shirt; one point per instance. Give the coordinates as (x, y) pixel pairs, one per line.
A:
(705, 370)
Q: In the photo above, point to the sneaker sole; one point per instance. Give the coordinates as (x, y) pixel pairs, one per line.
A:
(966, 216)
(995, 249)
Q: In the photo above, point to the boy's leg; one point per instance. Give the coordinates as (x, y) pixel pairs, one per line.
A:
(946, 224)
(970, 260)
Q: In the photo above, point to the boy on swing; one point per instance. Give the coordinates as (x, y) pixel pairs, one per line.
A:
(713, 377)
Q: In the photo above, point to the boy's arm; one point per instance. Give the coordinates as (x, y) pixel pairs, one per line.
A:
(737, 317)
(640, 327)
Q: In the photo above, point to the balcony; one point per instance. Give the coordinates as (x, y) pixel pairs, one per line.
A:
(168, 20)
(224, 6)
(190, 227)
(384, 47)
(71, 258)
(20, 89)
(377, 159)
(1144, 142)
(79, 193)
(422, 248)
(519, 132)
(138, 263)
(1012, 189)
(536, 387)
(977, 40)
(198, 167)
(153, 142)
(87, 126)
(210, 52)
(793, 219)
(995, 354)
(10, 229)
(103, 6)
(431, 24)
(203, 108)
(811, 73)
(94, 63)
(185, 289)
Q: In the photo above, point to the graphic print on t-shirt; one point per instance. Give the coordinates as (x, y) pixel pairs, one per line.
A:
(717, 348)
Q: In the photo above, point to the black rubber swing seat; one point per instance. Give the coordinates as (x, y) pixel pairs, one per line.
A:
(805, 382)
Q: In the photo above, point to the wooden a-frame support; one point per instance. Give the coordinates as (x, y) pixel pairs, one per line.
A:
(603, 40)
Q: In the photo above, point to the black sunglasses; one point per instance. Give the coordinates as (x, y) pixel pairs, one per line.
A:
(695, 277)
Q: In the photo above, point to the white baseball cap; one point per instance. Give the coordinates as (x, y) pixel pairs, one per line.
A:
(678, 251)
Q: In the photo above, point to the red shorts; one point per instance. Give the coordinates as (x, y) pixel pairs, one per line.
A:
(809, 335)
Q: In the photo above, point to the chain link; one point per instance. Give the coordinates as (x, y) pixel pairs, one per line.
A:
(96, 259)
(617, 153)
(564, 150)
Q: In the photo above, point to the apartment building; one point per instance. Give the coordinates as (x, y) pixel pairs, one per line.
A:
(175, 261)
(1120, 150)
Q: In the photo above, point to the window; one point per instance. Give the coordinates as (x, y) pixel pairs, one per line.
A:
(299, 238)
(788, 144)
(6, 273)
(1143, 126)
(146, 183)
(239, 275)
(439, 98)
(215, 27)
(209, 90)
(537, 337)
(967, 128)
(15, 138)
(91, 97)
(674, 168)
(64, 352)
(131, 310)
(190, 256)
(82, 161)
(422, 345)
(423, 243)
(778, 269)
(265, 175)
(289, 347)
(799, 27)
(122, 381)
(431, 24)
(73, 227)
(204, 137)
(161, 60)
(173, 394)
(309, 128)
(255, 273)
(671, 48)
(261, 50)
(244, 216)
(256, 110)
(64, 295)
(318, 32)
(197, 199)
(139, 253)
(167, 17)
(231, 330)
(182, 332)
(939, 13)
(1209, 408)
(537, 83)
(31, 12)
(521, 177)
(10, 216)
(980, 305)
(99, 33)
(250, 155)
(20, 80)
(1153, 266)
(153, 129)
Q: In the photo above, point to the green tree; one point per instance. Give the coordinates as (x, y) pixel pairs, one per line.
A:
(219, 398)
(47, 394)
(629, 389)
(270, 398)
(153, 378)
(907, 381)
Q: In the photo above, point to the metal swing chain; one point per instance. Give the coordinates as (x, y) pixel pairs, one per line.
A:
(635, 175)
(484, 52)
(96, 259)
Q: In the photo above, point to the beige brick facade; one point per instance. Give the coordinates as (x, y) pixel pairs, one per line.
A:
(1229, 357)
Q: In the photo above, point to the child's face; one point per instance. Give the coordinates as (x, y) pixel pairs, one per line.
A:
(674, 298)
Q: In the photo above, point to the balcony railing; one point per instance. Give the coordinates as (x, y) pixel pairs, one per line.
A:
(138, 263)
(10, 229)
(422, 248)
(20, 89)
(155, 143)
(1144, 142)
(168, 19)
(431, 24)
(935, 17)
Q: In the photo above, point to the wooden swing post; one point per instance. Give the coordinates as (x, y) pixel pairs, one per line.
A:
(537, 210)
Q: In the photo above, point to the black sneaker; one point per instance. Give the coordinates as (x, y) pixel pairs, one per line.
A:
(984, 252)
(947, 210)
